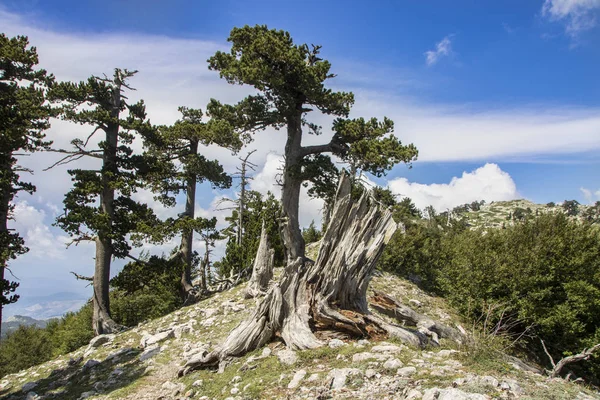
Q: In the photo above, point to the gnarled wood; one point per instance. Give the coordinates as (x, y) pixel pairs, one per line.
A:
(558, 367)
(329, 294)
(434, 330)
(262, 271)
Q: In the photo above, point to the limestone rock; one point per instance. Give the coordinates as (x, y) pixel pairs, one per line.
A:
(298, 376)
(287, 356)
(406, 371)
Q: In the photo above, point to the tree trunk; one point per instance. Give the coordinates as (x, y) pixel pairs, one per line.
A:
(329, 294)
(102, 322)
(262, 272)
(189, 294)
(5, 196)
(203, 268)
(290, 195)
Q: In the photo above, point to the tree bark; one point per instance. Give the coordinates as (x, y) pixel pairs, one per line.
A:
(290, 194)
(101, 321)
(5, 196)
(329, 294)
(262, 272)
(189, 294)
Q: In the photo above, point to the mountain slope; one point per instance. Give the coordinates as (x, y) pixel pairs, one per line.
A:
(142, 363)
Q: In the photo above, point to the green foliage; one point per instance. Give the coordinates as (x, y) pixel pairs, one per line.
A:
(23, 348)
(239, 258)
(146, 290)
(571, 207)
(29, 346)
(24, 115)
(93, 102)
(543, 271)
(312, 234)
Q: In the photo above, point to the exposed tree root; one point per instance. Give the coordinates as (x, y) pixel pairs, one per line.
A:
(386, 304)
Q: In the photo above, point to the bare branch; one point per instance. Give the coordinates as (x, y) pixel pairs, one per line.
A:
(83, 278)
(83, 238)
(548, 354)
(10, 271)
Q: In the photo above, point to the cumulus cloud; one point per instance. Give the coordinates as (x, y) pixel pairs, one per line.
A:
(442, 49)
(589, 195)
(487, 183)
(578, 15)
(31, 223)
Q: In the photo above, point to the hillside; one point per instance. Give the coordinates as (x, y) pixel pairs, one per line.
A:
(142, 363)
(12, 323)
(499, 213)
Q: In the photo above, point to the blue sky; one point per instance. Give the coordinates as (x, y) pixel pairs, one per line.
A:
(501, 98)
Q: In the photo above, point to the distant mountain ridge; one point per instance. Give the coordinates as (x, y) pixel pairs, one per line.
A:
(45, 307)
(12, 323)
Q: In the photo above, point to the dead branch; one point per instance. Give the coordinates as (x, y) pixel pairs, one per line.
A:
(584, 355)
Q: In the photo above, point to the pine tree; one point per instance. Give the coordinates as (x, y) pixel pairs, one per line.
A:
(99, 207)
(24, 116)
(179, 167)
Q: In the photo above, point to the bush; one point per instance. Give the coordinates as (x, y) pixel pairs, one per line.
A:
(146, 290)
(23, 348)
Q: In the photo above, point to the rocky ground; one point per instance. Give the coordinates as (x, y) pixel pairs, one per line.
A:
(497, 213)
(142, 363)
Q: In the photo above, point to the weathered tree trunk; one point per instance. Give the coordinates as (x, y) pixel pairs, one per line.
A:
(189, 294)
(101, 320)
(262, 272)
(204, 267)
(329, 294)
(290, 194)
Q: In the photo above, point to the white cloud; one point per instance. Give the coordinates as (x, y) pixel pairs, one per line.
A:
(589, 196)
(487, 183)
(578, 15)
(33, 226)
(442, 48)
(267, 180)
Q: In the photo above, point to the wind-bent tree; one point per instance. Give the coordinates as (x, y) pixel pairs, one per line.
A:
(329, 294)
(290, 80)
(180, 167)
(99, 207)
(24, 116)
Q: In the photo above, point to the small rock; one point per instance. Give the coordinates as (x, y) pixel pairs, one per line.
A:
(159, 337)
(390, 348)
(32, 396)
(338, 377)
(198, 383)
(234, 391)
(236, 379)
(287, 356)
(415, 302)
(28, 386)
(358, 357)
(313, 378)
(190, 393)
(370, 373)
(266, 352)
(85, 395)
(100, 340)
(150, 352)
(335, 343)
(90, 364)
(413, 394)
(392, 363)
(446, 353)
(298, 376)
(406, 371)
(489, 381)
